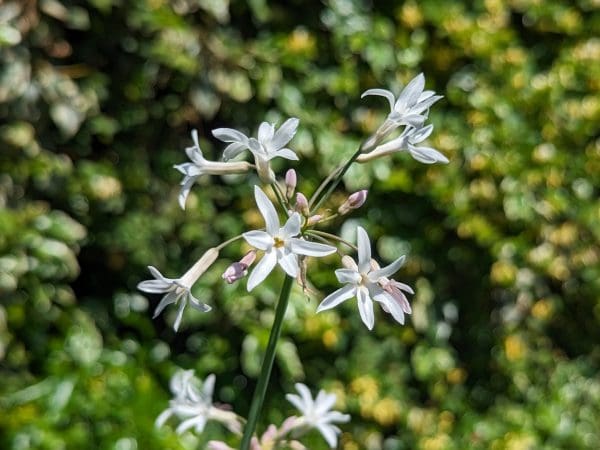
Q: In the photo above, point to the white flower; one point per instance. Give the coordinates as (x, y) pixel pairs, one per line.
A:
(201, 166)
(367, 282)
(408, 140)
(267, 145)
(178, 290)
(192, 404)
(410, 108)
(317, 413)
(279, 243)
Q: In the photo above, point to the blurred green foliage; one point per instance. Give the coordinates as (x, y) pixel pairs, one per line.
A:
(97, 99)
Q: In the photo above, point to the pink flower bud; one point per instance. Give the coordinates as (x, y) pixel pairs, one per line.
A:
(290, 182)
(354, 201)
(239, 270)
(302, 204)
(314, 219)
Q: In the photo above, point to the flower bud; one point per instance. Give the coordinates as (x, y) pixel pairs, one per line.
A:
(290, 183)
(314, 219)
(354, 201)
(239, 269)
(302, 204)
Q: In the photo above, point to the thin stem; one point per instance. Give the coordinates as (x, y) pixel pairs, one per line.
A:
(280, 197)
(229, 241)
(323, 185)
(337, 179)
(267, 365)
(323, 234)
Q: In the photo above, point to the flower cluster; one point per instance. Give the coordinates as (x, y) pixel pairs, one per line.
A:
(293, 233)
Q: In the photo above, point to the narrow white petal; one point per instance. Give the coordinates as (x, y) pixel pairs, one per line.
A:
(302, 247)
(411, 93)
(259, 239)
(414, 120)
(167, 300)
(154, 286)
(427, 155)
(188, 169)
(337, 417)
(197, 304)
(159, 276)
(185, 190)
(289, 263)
(421, 134)
(292, 226)
(383, 93)
(233, 149)
(364, 250)
(392, 306)
(348, 276)
(265, 132)
(262, 270)
(283, 153)
(296, 401)
(198, 422)
(179, 314)
(328, 432)
(404, 287)
(323, 402)
(208, 388)
(285, 133)
(195, 154)
(337, 297)
(306, 395)
(388, 270)
(229, 135)
(267, 210)
(425, 103)
(163, 417)
(365, 307)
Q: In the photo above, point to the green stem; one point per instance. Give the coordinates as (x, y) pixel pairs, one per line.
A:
(267, 365)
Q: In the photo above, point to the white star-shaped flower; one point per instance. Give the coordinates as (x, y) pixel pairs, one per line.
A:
(279, 243)
(201, 166)
(317, 413)
(179, 289)
(367, 282)
(268, 144)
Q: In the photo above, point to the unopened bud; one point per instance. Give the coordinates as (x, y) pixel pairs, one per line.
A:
(302, 204)
(290, 183)
(354, 201)
(314, 219)
(239, 269)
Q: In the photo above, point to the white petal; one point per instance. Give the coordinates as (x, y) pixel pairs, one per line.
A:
(364, 250)
(195, 154)
(259, 239)
(323, 402)
(302, 247)
(411, 93)
(208, 388)
(163, 417)
(198, 422)
(167, 300)
(306, 395)
(159, 276)
(267, 210)
(292, 226)
(421, 134)
(427, 155)
(425, 103)
(383, 93)
(296, 401)
(328, 432)
(289, 263)
(185, 190)
(233, 149)
(229, 135)
(388, 270)
(188, 169)
(262, 270)
(285, 133)
(337, 417)
(337, 297)
(283, 153)
(414, 120)
(365, 307)
(348, 276)
(265, 132)
(392, 306)
(197, 304)
(154, 286)
(179, 314)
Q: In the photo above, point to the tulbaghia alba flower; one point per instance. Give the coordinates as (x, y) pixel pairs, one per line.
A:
(201, 166)
(410, 108)
(354, 201)
(192, 404)
(365, 282)
(267, 145)
(279, 243)
(317, 413)
(178, 290)
(408, 141)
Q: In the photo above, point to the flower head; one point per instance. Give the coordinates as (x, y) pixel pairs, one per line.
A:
(367, 282)
(268, 144)
(410, 108)
(280, 244)
(201, 166)
(317, 413)
(179, 290)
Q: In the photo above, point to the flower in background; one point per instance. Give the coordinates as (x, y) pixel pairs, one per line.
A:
(279, 243)
(192, 404)
(317, 413)
(268, 144)
(410, 108)
(179, 290)
(365, 281)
